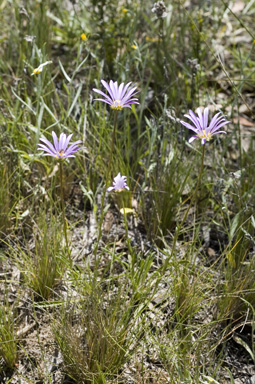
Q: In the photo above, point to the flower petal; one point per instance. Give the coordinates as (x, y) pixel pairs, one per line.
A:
(187, 125)
(62, 139)
(104, 101)
(194, 120)
(216, 133)
(193, 138)
(108, 88)
(73, 148)
(67, 142)
(125, 89)
(120, 90)
(42, 147)
(101, 93)
(194, 117)
(55, 139)
(128, 95)
(213, 121)
(200, 118)
(48, 154)
(219, 126)
(206, 113)
(113, 90)
(48, 143)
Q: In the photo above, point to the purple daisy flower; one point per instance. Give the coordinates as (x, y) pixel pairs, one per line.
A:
(120, 96)
(200, 125)
(119, 184)
(59, 150)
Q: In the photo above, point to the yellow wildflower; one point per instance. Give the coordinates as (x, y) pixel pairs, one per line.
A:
(151, 39)
(125, 211)
(83, 37)
(39, 69)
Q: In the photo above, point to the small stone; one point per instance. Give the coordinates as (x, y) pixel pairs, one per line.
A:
(211, 252)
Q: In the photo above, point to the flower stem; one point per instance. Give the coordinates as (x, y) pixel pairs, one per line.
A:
(107, 179)
(112, 146)
(63, 204)
(126, 224)
(193, 197)
(197, 186)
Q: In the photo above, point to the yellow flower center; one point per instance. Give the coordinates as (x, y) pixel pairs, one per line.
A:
(203, 135)
(60, 153)
(117, 105)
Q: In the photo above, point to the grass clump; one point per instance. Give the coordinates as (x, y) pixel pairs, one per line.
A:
(42, 261)
(97, 337)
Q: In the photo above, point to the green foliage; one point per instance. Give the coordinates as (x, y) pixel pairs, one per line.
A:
(8, 337)
(167, 172)
(5, 200)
